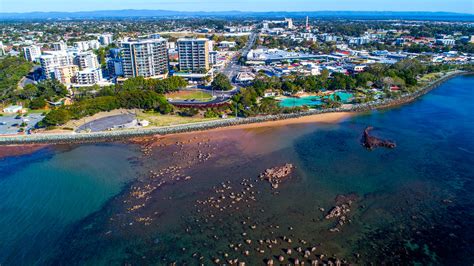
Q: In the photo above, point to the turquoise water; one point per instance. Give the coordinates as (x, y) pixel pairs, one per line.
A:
(312, 101)
(412, 204)
(44, 193)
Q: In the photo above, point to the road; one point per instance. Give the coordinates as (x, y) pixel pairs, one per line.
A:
(233, 68)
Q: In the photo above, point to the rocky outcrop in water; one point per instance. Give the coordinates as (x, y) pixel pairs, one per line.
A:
(371, 142)
(277, 174)
(341, 210)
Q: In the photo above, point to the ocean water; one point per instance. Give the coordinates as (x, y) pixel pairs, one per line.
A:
(198, 198)
(42, 194)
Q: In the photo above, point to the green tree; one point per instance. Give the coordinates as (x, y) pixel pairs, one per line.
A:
(221, 82)
(37, 103)
(56, 117)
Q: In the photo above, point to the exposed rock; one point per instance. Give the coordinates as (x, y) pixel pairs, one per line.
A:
(371, 142)
(277, 174)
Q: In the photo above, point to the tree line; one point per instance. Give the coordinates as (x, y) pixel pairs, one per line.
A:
(141, 93)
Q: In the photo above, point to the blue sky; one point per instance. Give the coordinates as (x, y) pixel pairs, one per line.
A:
(463, 6)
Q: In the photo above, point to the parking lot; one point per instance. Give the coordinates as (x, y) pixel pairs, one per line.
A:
(106, 123)
(10, 124)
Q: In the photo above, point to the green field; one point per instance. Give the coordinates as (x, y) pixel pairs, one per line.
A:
(159, 120)
(190, 95)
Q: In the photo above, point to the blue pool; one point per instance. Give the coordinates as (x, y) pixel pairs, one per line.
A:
(312, 101)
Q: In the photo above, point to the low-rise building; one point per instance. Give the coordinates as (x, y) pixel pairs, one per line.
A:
(445, 42)
(13, 109)
(227, 45)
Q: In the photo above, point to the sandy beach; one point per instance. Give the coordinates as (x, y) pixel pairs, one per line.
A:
(326, 118)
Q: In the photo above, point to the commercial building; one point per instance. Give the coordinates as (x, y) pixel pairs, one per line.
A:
(359, 40)
(65, 74)
(193, 55)
(88, 76)
(445, 41)
(146, 58)
(86, 60)
(227, 44)
(32, 52)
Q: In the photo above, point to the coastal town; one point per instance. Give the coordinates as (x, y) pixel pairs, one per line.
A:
(94, 76)
(270, 132)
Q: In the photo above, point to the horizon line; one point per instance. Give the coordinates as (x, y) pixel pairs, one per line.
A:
(241, 11)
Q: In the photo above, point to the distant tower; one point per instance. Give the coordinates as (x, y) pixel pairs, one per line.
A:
(308, 28)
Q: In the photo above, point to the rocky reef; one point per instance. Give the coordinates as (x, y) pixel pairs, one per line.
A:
(277, 174)
(371, 142)
(341, 210)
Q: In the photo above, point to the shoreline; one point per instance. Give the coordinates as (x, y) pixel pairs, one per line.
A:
(331, 115)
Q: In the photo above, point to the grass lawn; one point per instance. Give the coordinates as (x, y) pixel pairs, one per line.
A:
(190, 95)
(39, 111)
(430, 77)
(159, 120)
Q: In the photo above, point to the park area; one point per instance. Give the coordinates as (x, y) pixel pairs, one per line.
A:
(158, 120)
(195, 95)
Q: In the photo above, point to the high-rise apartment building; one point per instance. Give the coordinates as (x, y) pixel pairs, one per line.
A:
(59, 46)
(106, 39)
(86, 60)
(193, 55)
(52, 59)
(146, 58)
(89, 76)
(65, 74)
(32, 52)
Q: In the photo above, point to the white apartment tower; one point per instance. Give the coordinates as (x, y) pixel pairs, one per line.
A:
(106, 39)
(86, 60)
(193, 55)
(146, 58)
(53, 59)
(59, 46)
(89, 76)
(32, 52)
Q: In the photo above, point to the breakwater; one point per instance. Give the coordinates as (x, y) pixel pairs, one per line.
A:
(124, 134)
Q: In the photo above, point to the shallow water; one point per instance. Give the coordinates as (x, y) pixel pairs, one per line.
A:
(411, 204)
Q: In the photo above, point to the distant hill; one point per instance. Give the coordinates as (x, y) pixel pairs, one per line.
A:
(133, 13)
